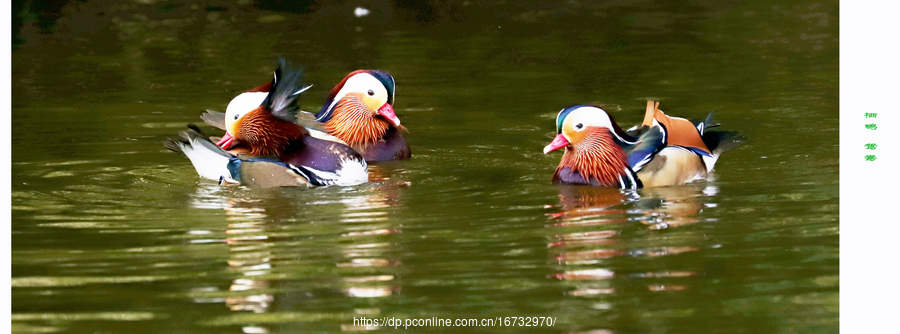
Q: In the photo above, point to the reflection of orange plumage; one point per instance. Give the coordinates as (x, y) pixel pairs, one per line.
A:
(661, 207)
(376, 174)
(579, 201)
(679, 206)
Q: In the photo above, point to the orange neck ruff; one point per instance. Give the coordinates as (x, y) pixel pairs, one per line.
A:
(597, 156)
(266, 134)
(354, 123)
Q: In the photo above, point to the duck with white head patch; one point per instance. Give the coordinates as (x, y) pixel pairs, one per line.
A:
(663, 151)
(358, 111)
(283, 152)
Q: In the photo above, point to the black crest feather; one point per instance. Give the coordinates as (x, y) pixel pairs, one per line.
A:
(287, 85)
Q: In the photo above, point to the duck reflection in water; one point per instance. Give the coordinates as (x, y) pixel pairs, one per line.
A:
(587, 234)
(284, 241)
(659, 207)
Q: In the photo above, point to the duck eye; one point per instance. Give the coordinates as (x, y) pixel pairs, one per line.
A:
(579, 126)
(371, 92)
(236, 116)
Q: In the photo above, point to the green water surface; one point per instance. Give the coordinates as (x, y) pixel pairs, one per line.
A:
(111, 233)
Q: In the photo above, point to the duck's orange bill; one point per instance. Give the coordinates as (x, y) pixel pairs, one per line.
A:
(388, 112)
(226, 142)
(559, 142)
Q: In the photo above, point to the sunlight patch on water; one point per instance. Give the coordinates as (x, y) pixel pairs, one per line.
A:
(587, 274)
(32, 282)
(107, 316)
(58, 174)
(278, 317)
(87, 224)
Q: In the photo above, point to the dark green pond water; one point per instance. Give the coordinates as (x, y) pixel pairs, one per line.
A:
(111, 233)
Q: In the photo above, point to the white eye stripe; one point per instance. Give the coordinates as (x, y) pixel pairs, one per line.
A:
(584, 117)
(363, 83)
(595, 117)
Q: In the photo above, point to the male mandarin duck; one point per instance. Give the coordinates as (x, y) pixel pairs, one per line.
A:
(358, 111)
(283, 152)
(666, 150)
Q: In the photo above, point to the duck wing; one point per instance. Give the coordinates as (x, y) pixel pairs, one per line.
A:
(677, 131)
(264, 172)
(329, 162)
(649, 142)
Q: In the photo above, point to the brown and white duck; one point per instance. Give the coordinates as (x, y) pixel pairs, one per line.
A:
(358, 112)
(662, 151)
(279, 151)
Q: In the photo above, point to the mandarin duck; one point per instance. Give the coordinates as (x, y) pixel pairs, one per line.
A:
(663, 151)
(358, 112)
(281, 151)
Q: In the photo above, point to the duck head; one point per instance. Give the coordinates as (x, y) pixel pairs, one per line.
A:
(594, 147)
(241, 104)
(263, 117)
(359, 109)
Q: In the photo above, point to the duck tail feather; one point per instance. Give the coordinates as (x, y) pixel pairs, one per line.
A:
(719, 141)
(210, 160)
(706, 124)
